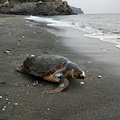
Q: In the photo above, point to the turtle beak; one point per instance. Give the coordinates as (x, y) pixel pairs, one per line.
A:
(82, 76)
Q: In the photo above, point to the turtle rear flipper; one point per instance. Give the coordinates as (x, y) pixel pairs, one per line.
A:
(63, 85)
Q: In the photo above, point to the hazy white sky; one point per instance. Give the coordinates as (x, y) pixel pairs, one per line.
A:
(96, 6)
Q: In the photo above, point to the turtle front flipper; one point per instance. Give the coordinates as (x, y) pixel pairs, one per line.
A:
(62, 85)
(20, 69)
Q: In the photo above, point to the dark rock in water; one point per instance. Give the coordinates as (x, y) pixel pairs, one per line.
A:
(38, 8)
(76, 10)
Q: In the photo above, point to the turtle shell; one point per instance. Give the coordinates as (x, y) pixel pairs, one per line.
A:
(44, 65)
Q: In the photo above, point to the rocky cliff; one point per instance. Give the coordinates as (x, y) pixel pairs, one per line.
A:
(37, 8)
(76, 10)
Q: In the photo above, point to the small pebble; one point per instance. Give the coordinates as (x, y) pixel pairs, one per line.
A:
(16, 104)
(89, 62)
(18, 95)
(32, 55)
(8, 103)
(6, 99)
(0, 97)
(7, 93)
(82, 83)
(48, 109)
(35, 83)
(3, 109)
(99, 76)
(4, 106)
(15, 85)
(7, 51)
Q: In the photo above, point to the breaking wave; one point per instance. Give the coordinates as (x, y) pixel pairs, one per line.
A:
(94, 28)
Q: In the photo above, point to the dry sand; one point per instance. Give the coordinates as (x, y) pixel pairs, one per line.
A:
(97, 99)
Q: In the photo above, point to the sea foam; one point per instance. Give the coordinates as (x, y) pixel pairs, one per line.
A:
(95, 28)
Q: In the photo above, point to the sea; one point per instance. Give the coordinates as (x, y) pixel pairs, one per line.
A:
(105, 27)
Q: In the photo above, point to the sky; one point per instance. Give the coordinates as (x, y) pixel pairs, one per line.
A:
(96, 6)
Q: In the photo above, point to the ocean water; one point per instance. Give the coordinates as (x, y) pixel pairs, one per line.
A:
(105, 27)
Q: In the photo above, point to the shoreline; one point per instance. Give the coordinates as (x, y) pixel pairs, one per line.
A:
(19, 99)
(95, 50)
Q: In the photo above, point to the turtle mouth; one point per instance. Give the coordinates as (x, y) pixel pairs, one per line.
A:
(82, 76)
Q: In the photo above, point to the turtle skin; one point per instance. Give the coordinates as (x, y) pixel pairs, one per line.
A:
(53, 68)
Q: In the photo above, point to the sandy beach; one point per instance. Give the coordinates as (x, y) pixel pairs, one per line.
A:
(97, 99)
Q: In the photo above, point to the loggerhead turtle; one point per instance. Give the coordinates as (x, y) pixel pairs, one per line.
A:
(53, 68)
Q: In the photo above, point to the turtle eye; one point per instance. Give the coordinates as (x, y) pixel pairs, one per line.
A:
(76, 74)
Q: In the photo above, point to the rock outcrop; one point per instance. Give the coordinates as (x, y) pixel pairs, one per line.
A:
(37, 8)
(76, 10)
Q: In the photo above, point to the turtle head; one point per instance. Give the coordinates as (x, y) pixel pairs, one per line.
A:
(79, 74)
(75, 71)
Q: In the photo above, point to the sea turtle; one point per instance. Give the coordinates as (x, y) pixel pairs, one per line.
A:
(53, 68)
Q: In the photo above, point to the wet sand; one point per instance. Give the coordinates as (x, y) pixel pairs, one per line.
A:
(95, 50)
(97, 99)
